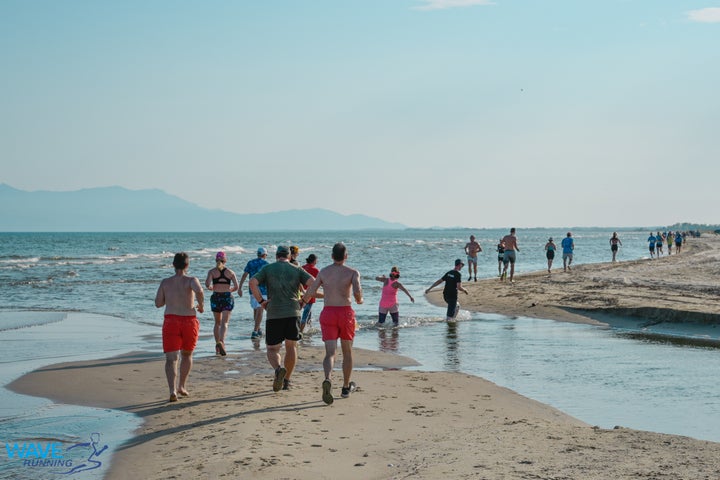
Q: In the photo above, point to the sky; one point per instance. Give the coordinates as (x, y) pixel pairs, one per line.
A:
(431, 113)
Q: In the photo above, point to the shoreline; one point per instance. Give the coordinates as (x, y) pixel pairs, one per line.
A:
(400, 423)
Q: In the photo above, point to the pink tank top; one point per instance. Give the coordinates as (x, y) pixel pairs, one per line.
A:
(389, 294)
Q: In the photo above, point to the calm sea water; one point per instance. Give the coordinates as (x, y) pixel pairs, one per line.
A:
(91, 296)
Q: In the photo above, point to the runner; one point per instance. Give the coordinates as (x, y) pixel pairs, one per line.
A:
(253, 267)
(222, 281)
(614, 243)
(501, 256)
(283, 280)
(568, 246)
(453, 284)
(550, 249)
(337, 319)
(180, 327)
(472, 248)
(511, 247)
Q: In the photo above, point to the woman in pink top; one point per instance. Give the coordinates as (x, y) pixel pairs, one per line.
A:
(388, 300)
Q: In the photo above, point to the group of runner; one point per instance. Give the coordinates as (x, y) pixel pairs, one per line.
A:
(656, 241)
(283, 290)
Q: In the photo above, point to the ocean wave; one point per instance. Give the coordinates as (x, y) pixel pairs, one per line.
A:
(25, 263)
(30, 283)
(18, 266)
(16, 259)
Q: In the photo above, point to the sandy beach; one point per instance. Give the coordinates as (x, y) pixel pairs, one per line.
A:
(402, 423)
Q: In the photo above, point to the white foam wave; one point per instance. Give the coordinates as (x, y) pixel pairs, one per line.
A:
(17, 266)
(20, 261)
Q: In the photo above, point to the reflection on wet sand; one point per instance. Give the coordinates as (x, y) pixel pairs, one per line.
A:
(389, 340)
(452, 360)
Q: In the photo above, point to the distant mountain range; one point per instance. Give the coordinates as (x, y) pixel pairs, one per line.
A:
(117, 209)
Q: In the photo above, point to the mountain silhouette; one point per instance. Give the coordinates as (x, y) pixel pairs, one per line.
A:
(117, 209)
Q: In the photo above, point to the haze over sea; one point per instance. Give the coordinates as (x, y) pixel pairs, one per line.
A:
(72, 296)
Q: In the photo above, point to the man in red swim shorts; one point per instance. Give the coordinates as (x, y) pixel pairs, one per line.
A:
(337, 319)
(181, 327)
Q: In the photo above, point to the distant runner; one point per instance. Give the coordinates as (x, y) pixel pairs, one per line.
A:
(472, 248)
(511, 247)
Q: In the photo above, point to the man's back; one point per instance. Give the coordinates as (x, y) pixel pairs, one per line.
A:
(337, 281)
(510, 242)
(177, 294)
(568, 245)
(452, 279)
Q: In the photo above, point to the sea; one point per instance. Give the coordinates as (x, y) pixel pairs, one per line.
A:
(80, 296)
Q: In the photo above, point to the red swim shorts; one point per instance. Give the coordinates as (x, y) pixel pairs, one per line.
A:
(337, 322)
(180, 332)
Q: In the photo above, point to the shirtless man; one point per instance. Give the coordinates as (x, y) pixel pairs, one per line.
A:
(471, 250)
(511, 247)
(337, 319)
(180, 327)
(614, 243)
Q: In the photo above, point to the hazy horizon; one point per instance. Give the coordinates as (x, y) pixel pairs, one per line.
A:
(402, 227)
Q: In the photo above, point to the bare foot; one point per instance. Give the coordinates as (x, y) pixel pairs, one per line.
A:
(173, 398)
(183, 392)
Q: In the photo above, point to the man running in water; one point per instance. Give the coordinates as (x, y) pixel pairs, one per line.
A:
(453, 284)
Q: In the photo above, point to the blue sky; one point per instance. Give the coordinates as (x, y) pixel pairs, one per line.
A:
(429, 113)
